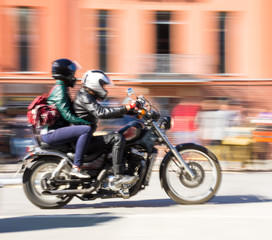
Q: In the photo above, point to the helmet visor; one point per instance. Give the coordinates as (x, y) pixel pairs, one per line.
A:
(105, 79)
(77, 65)
(72, 67)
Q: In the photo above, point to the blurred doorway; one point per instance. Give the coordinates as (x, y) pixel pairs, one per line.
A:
(163, 41)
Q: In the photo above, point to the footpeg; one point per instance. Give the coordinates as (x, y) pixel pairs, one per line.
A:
(125, 193)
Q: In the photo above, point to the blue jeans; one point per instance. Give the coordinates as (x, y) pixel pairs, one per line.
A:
(82, 134)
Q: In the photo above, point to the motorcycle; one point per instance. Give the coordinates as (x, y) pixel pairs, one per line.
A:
(189, 173)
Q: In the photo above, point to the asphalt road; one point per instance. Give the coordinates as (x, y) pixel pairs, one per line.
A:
(242, 209)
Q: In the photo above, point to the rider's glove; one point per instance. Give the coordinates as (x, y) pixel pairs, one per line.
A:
(132, 106)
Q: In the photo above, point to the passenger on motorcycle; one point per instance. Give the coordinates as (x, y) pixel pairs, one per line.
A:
(63, 70)
(86, 107)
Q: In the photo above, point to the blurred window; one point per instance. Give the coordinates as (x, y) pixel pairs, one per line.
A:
(25, 16)
(103, 31)
(23, 43)
(222, 16)
(21, 39)
(163, 32)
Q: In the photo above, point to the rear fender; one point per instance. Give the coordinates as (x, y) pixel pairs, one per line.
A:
(39, 154)
(30, 159)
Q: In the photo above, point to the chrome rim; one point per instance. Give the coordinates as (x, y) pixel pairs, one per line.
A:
(192, 189)
(40, 183)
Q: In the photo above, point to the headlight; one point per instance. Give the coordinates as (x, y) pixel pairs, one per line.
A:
(166, 123)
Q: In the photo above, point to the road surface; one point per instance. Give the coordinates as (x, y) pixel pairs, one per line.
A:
(242, 209)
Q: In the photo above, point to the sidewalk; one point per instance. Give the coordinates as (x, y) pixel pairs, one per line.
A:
(7, 174)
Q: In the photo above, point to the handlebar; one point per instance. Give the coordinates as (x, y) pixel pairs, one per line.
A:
(145, 109)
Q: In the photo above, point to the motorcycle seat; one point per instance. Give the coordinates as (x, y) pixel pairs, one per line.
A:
(87, 158)
(61, 148)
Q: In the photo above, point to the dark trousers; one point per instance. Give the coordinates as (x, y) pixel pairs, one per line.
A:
(113, 141)
(81, 134)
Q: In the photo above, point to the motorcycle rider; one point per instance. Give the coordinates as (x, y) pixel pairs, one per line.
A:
(94, 83)
(63, 70)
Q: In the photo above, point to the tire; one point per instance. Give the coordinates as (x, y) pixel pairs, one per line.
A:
(34, 184)
(178, 184)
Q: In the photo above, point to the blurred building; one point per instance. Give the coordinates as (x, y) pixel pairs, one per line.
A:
(190, 38)
(148, 41)
(166, 49)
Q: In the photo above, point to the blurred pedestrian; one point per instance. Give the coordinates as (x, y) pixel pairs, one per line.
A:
(214, 120)
(184, 128)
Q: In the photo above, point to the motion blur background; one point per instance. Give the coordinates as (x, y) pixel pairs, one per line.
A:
(205, 62)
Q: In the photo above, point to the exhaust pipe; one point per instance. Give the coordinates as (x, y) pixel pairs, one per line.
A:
(69, 191)
(100, 177)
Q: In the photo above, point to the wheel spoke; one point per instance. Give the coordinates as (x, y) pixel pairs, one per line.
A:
(181, 187)
(39, 181)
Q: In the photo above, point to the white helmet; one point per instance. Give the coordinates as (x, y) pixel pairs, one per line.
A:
(95, 80)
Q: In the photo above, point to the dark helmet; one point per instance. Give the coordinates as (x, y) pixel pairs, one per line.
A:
(95, 80)
(64, 69)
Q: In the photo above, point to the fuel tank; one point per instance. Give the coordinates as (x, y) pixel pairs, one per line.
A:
(132, 131)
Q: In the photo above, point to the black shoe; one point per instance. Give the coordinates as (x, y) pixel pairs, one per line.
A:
(120, 180)
(79, 173)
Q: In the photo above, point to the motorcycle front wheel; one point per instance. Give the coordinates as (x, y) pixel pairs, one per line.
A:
(35, 181)
(180, 186)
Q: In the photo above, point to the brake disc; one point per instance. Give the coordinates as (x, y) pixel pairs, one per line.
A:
(189, 182)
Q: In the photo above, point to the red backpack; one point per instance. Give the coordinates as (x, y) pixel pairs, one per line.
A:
(40, 114)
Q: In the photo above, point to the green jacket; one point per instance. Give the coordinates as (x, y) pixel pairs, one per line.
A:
(61, 98)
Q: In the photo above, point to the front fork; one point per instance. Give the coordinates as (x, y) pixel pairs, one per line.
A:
(150, 167)
(181, 162)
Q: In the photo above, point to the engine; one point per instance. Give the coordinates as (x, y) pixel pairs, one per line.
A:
(133, 160)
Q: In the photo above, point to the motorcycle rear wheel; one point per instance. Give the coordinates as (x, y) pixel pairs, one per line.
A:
(35, 182)
(180, 186)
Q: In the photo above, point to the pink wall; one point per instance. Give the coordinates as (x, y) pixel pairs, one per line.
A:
(68, 28)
